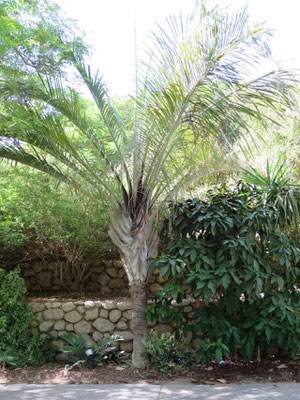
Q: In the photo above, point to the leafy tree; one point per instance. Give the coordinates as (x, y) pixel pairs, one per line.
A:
(194, 86)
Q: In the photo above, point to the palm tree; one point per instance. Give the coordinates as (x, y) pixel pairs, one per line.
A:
(193, 88)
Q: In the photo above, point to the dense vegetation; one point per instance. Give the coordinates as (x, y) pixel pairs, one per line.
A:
(193, 97)
(232, 254)
(18, 346)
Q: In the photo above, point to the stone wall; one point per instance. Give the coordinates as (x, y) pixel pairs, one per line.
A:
(97, 318)
(108, 278)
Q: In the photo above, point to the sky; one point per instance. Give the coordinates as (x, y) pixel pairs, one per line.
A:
(109, 25)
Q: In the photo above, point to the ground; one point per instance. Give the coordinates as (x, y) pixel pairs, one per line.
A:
(233, 372)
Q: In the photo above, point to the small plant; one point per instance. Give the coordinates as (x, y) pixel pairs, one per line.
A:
(18, 347)
(166, 352)
(82, 348)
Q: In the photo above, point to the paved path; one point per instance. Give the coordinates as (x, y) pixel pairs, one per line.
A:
(149, 392)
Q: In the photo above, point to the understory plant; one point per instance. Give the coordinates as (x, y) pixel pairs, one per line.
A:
(18, 346)
(231, 254)
(168, 352)
(79, 344)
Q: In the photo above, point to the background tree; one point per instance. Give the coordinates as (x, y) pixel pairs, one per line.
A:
(193, 86)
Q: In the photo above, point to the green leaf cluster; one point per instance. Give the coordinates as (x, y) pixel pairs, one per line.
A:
(18, 347)
(229, 253)
(168, 352)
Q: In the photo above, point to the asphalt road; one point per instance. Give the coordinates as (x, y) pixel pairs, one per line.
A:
(270, 391)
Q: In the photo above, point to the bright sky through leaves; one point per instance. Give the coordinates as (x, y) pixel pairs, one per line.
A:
(109, 25)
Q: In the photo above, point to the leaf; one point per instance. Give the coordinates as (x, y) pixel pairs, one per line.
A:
(268, 332)
(218, 354)
(226, 281)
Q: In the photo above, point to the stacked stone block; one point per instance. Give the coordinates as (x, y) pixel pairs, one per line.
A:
(97, 318)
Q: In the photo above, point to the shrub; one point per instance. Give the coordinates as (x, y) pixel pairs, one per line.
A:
(167, 352)
(18, 347)
(77, 345)
(230, 253)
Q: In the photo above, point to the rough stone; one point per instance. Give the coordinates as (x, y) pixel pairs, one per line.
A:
(112, 272)
(116, 284)
(54, 333)
(40, 317)
(60, 333)
(83, 327)
(81, 309)
(103, 325)
(151, 324)
(99, 269)
(70, 327)
(57, 345)
(163, 328)
(63, 356)
(46, 326)
(127, 314)
(103, 313)
(152, 279)
(126, 346)
(109, 305)
(36, 307)
(106, 290)
(123, 292)
(103, 279)
(56, 304)
(91, 314)
(54, 313)
(126, 335)
(124, 305)
(154, 288)
(160, 280)
(59, 325)
(44, 279)
(69, 306)
(79, 303)
(89, 304)
(121, 273)
(115, 315)
(188, 309)
(94, 277)
(47, 304)
(97, 336)
(121, 325)
(73, 316)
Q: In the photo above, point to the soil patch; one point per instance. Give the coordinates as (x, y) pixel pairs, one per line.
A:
(211, 374)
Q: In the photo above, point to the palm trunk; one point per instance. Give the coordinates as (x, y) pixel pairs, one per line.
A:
(138, 292)
(136, 241)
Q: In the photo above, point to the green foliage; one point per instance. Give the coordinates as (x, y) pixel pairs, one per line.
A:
(167, 352)
(275, 188)
(229, 253)
(77, 345)
(33, 207)
(18, 347)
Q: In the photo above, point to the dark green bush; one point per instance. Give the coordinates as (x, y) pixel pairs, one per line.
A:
(18, 347)
(230, 253)
(167, 352)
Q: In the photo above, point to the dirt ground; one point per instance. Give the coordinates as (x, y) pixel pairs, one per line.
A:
(232, 372)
